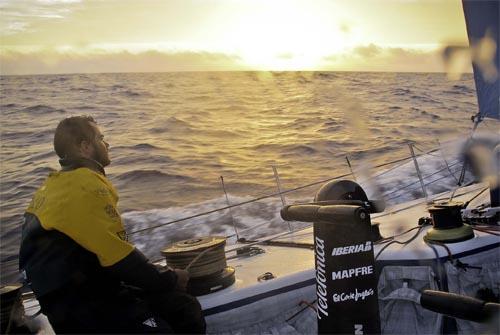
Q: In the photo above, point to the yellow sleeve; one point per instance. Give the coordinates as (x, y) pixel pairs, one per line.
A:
(94, 222)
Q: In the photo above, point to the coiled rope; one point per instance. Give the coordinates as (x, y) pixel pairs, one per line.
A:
(198, 259)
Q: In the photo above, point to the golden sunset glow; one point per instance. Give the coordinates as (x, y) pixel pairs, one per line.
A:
(64, 36)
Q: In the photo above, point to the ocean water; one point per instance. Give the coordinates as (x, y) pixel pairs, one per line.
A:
(173, 135)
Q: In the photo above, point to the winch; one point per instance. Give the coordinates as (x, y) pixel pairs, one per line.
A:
(205, 260)
(448, 226)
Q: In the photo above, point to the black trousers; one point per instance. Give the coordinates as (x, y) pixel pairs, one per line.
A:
(125, 311)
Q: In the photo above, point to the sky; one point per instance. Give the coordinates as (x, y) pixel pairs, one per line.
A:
(88, 36)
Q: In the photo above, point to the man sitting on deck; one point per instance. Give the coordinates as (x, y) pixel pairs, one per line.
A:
(75, 253)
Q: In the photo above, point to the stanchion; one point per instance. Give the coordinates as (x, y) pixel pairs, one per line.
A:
(410, 145)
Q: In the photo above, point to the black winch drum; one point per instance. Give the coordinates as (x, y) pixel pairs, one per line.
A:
(447, 224)
(209, 273)
(346, 282)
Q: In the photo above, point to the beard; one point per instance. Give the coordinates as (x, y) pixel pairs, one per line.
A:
(101, 155)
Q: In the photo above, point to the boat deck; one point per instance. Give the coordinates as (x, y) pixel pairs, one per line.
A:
(292, 268)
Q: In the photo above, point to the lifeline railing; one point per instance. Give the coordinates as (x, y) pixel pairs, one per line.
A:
(281, 193)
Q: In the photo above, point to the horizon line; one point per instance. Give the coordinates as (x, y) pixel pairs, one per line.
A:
(201, 71)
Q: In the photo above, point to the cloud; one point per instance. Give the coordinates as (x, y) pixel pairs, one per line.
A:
(374, 57)
(15, 27)
(20, 15)
(367, 51)
(50, 61)
(361, 58)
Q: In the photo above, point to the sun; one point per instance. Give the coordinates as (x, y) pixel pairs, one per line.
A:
(285, 35)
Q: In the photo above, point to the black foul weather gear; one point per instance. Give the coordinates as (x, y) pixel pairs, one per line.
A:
(87, 277)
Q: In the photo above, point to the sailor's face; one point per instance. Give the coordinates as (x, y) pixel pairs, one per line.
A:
(100, 146)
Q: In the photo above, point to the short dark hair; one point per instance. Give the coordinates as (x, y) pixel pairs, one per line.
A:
(70, 132)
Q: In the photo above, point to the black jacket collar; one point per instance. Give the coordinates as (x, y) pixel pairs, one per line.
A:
(75, 163)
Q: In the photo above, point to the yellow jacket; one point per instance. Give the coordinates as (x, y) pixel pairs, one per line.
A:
(82, 204)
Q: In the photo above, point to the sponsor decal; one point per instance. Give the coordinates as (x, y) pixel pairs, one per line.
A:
(358, 329)
(37, 202)
(122, 235)
(356, 295)
(354, 272)
(151, 322)
(102, 191)
(112, 213)
(352, 249)
(321, 278)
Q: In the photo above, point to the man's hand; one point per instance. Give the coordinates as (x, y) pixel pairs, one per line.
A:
(182, 279)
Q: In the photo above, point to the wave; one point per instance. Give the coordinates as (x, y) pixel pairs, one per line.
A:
(42, 109)
(85, 107)
(151, 175)
(58, 80)
(175, 122)
(424, 99)
(372, 152)
(264, 214)
(34, 134)
(171, 124)
(150, 160)
(303, 80)
(8, 106)
(43, 170)
(400, 91)
(7, 186)
(201, 97)
(287, 149)
(14, 135)
(145, 146)
(130, 93)
(303, 149)
(395, 107)
(40, 157)
(220, 134)
(332, 122)
(22, 191)
(303, 123)
(402, 184)
(331, 129)
(432, 115)
(325, 75)
(125, 91)
(158, 130)
(463, 89)
(80, 89)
